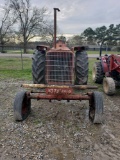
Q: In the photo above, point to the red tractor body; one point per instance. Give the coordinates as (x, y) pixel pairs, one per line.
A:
(110, 63)
(107, 70)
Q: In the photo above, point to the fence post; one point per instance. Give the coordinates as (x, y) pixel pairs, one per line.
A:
(22, 59)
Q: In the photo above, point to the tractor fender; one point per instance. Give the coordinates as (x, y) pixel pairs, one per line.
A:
(104, 64)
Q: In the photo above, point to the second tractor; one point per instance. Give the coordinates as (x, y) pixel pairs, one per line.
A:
(107, 70)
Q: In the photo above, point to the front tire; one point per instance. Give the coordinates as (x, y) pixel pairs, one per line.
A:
(22, 106)
(109, 86)
(96, 108)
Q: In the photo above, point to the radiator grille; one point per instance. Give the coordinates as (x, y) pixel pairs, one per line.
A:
(59, 68)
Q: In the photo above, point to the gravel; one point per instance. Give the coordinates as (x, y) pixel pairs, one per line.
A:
(57, 130)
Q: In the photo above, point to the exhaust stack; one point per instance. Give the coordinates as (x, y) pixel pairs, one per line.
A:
(55, 24)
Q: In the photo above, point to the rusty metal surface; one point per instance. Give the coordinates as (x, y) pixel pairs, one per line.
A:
(55, 24)
(59, 68)
(39, 96)
(82, 87)
(60, 47)
(43, 86)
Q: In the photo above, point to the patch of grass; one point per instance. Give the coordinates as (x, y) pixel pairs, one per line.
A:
(12, 68)
(103, 52)
(92, 52)
(91, 63)
(29, 51)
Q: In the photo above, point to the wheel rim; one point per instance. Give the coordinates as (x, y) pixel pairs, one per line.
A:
(25, 106)
(94, 74)
(92, 109)
(92, 113)
(105, 86)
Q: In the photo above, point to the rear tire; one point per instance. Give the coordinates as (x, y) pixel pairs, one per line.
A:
(81, 68)
(38, 67)
(22, 106)
(97, 73)
(109, 86)
(96, 108)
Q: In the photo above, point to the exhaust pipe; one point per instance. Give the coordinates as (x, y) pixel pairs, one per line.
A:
(55, 24)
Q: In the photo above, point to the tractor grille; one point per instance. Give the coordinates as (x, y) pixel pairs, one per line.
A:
(59, 68)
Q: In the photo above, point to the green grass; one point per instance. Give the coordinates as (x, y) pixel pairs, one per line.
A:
(29, 51)
(103, 52)
(91, 63)
(12, 68)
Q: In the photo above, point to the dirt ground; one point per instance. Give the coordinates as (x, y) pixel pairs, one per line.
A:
(57, 130)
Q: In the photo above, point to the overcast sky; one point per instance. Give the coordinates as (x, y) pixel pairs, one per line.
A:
(77, 15)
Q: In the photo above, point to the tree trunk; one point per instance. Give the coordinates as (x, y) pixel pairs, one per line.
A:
(25, 48)
(25, 45)
(2, 48)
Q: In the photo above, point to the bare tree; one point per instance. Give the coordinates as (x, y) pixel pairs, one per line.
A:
(48, 33)
(31, 21)
(6, 25)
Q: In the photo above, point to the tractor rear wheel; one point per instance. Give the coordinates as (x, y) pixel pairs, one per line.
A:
(38, 67)
(22, 106)
(81, 68)
(97, 73)
(96, 108)
(109, 86)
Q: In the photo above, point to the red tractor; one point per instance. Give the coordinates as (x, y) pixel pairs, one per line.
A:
(107, 71)
(59, 71)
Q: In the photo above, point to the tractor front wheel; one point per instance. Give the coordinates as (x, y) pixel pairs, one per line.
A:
(22, 106)
(96, 108)
(109, 86)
